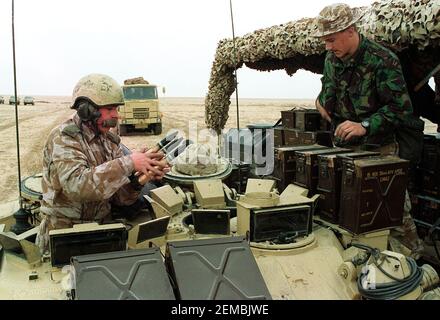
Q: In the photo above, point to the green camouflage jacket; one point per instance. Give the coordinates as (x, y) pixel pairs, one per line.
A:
(368, 86)
(84, 174)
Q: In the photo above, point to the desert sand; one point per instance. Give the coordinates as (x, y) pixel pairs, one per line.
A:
(35, 123)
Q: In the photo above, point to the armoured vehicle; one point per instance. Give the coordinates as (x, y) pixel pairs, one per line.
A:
(260, 243)
(254, 242)
(141, 108)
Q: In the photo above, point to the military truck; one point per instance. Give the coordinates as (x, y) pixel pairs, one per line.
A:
(12, 100)
(141, 108)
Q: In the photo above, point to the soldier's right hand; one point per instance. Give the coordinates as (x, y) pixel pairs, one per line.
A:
(144, 162)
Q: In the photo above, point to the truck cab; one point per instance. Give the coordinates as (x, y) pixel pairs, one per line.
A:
(141, 109)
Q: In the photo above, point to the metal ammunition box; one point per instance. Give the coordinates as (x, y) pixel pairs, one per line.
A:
(428, 183)
(278, 137)
(307, 169)
(431, 154)
(329, 182)
(124, 275)
(215, 269)
(288, 119)
(249, 144)
(426, 209)
(372, 193)
(238, 179)
(238, 147)
(308, 120)
(428, 172)
(295, 137)
(284, 166)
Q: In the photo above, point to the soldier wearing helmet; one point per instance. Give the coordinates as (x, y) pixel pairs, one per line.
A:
(364, 96)
(84, 169)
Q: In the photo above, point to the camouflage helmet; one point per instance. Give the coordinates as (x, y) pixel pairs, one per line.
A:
(100, 89)
(334, 18)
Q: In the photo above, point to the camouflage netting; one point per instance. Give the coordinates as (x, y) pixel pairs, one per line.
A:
(138, 80)
(397, 24)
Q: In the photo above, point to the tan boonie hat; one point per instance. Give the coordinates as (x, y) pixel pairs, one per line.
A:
(335, 18)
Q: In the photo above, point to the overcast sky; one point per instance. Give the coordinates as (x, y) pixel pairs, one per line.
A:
(168, 42)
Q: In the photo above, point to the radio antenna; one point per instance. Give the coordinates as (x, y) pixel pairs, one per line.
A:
(21, 216)
(236, 97)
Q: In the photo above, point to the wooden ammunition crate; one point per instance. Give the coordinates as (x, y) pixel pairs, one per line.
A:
(329, 182)
(307, 167)
(373, 193)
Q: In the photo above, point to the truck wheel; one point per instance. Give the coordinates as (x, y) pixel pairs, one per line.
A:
(157, 129)
(122, 130)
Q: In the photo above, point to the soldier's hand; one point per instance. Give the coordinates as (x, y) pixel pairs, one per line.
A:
(144, 149)
(349, 129)
(144, 162)
(165, 170)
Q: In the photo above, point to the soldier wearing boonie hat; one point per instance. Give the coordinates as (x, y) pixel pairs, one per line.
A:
(335, 18)
(364, 96)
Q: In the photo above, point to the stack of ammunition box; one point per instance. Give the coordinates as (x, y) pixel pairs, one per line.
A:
(285, 163)
(307, 172)
(425, 197)
(302, 127)
(360, 191)
(329, 182)
(428, 170)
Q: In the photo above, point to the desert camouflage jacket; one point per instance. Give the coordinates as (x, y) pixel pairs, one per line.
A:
(83, 173)
(368, 86)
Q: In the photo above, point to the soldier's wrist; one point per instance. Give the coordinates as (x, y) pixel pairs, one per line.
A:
(367, 126)
(134, 182)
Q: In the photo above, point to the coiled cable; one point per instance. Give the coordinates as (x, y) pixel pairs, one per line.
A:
(391, 290)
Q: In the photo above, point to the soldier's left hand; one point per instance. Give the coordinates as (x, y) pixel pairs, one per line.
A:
(349, 129)
(159, 176)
